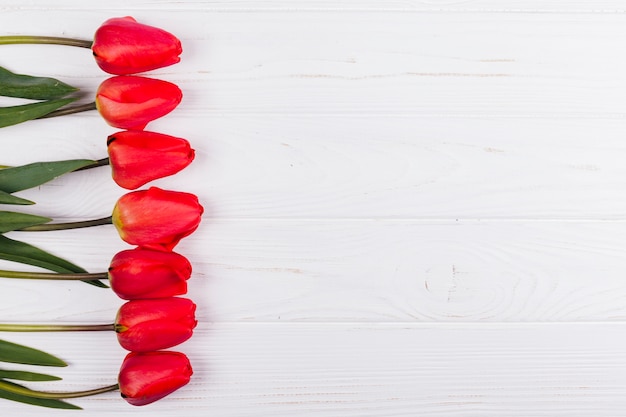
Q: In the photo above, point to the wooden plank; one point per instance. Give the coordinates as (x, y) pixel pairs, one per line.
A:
(370, 370)
(477, 65)
(360, 271)
(329, 167)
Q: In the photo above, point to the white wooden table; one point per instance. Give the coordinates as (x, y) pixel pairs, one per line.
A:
(414, 208)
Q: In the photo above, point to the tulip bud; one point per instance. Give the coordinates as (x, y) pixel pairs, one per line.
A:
(155, 218)
(147, 377)
(122, 46)
(130, 102)
(138, 157)
(145, 273)
(160, 323)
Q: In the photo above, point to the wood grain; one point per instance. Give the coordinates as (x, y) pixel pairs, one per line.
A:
(359, 167)
(477, 65)
(372, 370)
(360, 271)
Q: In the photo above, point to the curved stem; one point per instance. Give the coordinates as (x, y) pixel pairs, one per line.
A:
(50, 40)
(70, 110)
(4, 327)
(16, 389)
(52, 275)
(99, 163)
(70, 225)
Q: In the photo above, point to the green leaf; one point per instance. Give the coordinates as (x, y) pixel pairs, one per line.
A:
(18, 114)
(14, 353)
(16, 251)
(6, 198)
(32, 175)
(12, 220)
(95, 283)
(27, 376)
(42, 402)
(34, 88)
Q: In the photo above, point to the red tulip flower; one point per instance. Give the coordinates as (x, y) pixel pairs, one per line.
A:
(145, 273)
(154, 324)
(122, 46)
(138, 157)
(155, 218)
(130, 102)
(147, 377)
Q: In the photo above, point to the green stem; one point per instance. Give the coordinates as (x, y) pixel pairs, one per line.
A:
(70, 225)
(99, 163)
(5, 386)
(55, 327)
(50, 40)
(70, 110)
(52, 275)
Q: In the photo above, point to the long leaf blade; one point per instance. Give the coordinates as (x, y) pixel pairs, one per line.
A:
(18, 114)
(42, 402)
(27, 376)
(14, 353)
(6, 198)
(16, 251)
(32, 175)
(12, 220)
(34, 88)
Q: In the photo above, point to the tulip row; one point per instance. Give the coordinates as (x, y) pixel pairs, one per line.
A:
(151, 275)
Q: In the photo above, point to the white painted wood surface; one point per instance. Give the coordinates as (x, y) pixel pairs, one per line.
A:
(413, 207)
